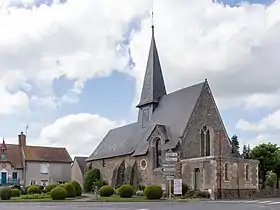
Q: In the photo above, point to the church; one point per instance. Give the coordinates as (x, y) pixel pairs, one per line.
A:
(187, 122)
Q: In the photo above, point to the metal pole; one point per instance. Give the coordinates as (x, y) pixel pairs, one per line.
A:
(170, 186)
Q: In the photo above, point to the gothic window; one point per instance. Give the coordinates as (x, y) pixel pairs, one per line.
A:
(205, 142)
(202, 143)
(207, 139)
(157, 153)
(226, 172)
(247, 173)
(121, 174)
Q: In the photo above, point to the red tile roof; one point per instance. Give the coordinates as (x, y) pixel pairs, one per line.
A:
(13, 155)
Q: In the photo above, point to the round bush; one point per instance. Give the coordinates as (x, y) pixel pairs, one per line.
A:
(15, 192)
(49, 187)
(58, 193)
(126, 191)
(78, 188)
(106, 191)
(34, 189)
(5, 193)
(70, 190)
(153, 192)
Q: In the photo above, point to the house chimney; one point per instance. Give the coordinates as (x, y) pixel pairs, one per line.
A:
(22, 139)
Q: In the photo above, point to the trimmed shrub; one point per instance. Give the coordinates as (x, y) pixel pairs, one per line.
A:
(5, 193)
(58, 193)
(50, 187)
(153, 192)
(15, 192)
(33, 189)
(70, 190)
(78, 188)
(126, 191)
(106, 191)
(35, 196)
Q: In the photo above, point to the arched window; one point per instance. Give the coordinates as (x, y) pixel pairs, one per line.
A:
(247, 173)
(157, 153)
(205, 142)
(202, 142)
(226, 172)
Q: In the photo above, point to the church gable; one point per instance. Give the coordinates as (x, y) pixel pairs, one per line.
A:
(206, 130)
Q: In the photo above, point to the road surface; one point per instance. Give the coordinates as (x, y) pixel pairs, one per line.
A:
(267, 204)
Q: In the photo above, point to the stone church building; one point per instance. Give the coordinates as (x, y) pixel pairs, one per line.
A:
(186, 121)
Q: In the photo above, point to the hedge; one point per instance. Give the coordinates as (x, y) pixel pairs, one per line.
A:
(126, 191)
(106, 191)
(5, 193)
(15, 192)
(70, 189)
(58, 193)
(78, 188)
(33, 189)
(153, 192)
(49, 187)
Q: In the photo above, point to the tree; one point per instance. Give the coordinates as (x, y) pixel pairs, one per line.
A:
(235, 142)
(268, 155)
(92, 176)
(271, 179)
(246, 152)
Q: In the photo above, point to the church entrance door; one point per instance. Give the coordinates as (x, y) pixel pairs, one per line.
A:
(197, 179)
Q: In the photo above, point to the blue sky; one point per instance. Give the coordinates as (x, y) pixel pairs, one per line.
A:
(106, 84)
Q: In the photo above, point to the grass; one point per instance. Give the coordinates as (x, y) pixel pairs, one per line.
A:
(133, 199)
(45, 199)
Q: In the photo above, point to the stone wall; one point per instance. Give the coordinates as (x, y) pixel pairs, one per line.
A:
(205, 113)
(146, 176)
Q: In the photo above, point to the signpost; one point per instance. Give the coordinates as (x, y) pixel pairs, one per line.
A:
(178, 186)
(169, 168)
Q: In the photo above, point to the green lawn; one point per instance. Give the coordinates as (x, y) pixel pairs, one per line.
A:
(119, 199)
(49, 199)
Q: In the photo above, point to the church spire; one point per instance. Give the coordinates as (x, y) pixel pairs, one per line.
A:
(153, 87)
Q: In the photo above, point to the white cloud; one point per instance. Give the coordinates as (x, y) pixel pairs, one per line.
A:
(269, 123)
(79, 133)
(78, 40)
(236, 48)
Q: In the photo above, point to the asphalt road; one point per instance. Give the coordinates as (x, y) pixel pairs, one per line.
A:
(209, 205)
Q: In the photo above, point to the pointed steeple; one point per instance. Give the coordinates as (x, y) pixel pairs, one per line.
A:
(153, 86)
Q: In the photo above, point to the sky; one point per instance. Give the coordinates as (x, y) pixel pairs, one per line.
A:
(72, 70)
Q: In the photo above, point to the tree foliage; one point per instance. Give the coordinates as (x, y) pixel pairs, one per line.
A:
(268, 155)
(246, 152)
(92, 176)
(235, 142)
(271, 179)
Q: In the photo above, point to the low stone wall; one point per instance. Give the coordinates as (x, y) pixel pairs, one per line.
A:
(235, 193)
(248, 193)
(268, 193)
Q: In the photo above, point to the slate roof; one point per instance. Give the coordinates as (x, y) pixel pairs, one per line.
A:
(81, 161)
(46, 154)
(153, 86)
(13, 156)
(173, 111)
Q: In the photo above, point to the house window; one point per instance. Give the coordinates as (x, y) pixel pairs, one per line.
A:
(157, 153)
(33, 182)
(3, 156)
(205, 141)
(103, 163)
(44, 168)
(247, 173)
(226, 172)
(14, 176)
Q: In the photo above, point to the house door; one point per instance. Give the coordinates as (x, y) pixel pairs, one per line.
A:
(3, 177)
(197, 179)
